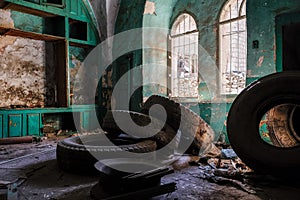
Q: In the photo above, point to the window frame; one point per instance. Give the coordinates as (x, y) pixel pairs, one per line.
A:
(240, 16)
(173, 35)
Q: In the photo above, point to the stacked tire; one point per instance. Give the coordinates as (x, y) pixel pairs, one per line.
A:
(74, 154)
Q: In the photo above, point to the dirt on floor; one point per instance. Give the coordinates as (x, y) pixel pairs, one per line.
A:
(30, 172)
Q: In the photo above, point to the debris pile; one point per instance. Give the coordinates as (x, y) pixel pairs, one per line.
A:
(224, 167)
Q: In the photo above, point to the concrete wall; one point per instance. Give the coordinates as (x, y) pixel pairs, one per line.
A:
(160, 13)
(23, 81)
(157, 14)
(206, 15)
(261, 24)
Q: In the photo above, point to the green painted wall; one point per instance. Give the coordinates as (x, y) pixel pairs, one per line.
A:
(27, 22)
(130, 16)
(155, 57)
(206, 15)
(31, 121)
(261, 15)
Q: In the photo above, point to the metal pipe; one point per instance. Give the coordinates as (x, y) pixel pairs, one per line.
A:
(16, 140)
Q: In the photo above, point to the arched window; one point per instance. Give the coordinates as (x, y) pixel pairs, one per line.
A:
(233, 47)
(184, 42)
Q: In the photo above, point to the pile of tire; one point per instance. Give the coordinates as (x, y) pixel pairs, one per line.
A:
(74, 156)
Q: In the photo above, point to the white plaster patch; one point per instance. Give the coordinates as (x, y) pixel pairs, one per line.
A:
(150, 8)
(22, 72)
(260, 61)
(5, 19)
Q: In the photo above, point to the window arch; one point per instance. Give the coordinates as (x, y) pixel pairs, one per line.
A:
(233, 47)
(184, 49)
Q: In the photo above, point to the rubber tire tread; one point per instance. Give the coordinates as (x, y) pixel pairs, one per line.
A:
(193, 126)
(76, 158)
(244, 118)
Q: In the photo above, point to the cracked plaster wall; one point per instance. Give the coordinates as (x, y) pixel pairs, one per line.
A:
(262, 28)
(23, 80)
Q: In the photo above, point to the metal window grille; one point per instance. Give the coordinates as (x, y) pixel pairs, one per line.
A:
(233, 47)
(184, 77)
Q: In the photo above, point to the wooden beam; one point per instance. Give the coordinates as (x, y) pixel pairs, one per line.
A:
(28, 10)
(29, 35)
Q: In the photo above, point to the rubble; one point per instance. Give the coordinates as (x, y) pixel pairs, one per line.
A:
(228, 153)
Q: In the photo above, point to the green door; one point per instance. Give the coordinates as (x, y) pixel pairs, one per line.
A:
(15, 125)
(33, 124)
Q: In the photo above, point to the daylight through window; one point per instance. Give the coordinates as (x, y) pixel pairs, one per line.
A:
(233, 47)
(184, 77)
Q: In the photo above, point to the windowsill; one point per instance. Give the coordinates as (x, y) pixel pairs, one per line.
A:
(219, 99)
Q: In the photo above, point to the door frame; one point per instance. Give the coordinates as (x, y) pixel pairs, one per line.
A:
(281, 21)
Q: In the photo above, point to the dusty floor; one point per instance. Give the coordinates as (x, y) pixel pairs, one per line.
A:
(37, 176)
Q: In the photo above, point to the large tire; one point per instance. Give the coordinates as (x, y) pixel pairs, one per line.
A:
(73, 156)
(243, 124)
(162, 138)
(171, 107)
(111, 127)
(192, 127)
(280, 126)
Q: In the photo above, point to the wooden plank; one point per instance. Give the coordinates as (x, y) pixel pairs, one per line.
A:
(81, 45)
(28, 10)
(30, 35)
(3, 4)
(61, 57)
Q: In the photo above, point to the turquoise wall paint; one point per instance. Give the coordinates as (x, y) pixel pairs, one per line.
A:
(214, 114)
(21, 122)
(206, 15)
(27, 22)
(157, 57)
(261, 24)
(261, 16)
(130, 15)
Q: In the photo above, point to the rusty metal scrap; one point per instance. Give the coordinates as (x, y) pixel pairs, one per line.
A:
(16, 140)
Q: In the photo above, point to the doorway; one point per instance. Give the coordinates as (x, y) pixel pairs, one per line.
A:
(288, 42)
(291, 47)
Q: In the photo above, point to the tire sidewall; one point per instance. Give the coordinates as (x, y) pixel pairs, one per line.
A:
(246, 113)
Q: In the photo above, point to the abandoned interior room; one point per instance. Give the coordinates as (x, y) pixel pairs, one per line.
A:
(149, 99)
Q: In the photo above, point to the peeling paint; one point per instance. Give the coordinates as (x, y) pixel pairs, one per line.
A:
(150, 8)
(22, 77)
(73, 72)
(5, 19)
(260, 61)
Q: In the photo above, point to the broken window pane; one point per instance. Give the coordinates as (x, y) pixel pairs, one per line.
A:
(233, 47)
(184, 77)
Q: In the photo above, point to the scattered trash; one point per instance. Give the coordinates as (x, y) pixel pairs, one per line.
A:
(236, 183)
(36, 139)
(222, 166)
(228, 153)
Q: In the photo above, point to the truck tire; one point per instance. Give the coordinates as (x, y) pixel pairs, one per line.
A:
(73, 156)
(281, 127)
(192, 127)
(245, 115)
(162, 138)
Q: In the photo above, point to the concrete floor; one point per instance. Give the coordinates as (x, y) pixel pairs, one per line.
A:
(37, 177)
